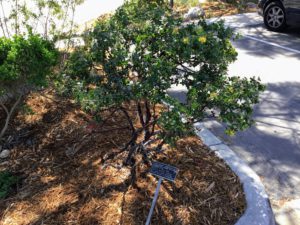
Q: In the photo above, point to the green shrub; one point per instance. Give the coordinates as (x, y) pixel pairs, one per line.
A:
(144, 49)
(79, 65)
(24, 63)
(7, 181)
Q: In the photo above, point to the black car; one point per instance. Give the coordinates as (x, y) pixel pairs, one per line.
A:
(280, 13)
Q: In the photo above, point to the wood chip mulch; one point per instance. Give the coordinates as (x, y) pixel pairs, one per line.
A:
(66, 179)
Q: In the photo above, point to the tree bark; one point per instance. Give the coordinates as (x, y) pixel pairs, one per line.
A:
(73, 7)
(172, 3)
(2, 27)
(17, 18)
(4, 18)
(148, 119)
(9, 115)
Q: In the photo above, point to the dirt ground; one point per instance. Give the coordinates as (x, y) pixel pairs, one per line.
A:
(61, 156)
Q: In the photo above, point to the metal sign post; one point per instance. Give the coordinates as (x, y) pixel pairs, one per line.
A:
(154, 201)
(163, 171)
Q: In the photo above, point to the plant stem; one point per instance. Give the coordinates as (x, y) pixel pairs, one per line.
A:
(9, 115)
(148, 119)
(4, 18)
(172, 3)
(128, 119)
(46, 24)
(73, 7)
(2, 27)
(16, 17)
(140, 113)
(65, 16)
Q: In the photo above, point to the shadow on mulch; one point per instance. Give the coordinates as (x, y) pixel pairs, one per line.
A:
(68, 181)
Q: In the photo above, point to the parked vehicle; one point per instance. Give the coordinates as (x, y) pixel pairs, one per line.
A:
(278, 14)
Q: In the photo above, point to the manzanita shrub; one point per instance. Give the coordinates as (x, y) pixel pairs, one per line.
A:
(25, 63)
(144, 49)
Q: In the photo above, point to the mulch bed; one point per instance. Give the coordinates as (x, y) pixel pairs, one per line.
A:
(61, 155)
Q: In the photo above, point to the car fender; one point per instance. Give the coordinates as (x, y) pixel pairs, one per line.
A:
(268, 2)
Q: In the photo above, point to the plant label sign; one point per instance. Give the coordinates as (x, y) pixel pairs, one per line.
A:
(164, 171)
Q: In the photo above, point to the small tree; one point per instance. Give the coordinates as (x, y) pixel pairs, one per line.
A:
(144, 49)
(49, 18)
(24, 63)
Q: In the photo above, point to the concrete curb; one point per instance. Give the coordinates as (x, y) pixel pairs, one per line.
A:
(259, 211)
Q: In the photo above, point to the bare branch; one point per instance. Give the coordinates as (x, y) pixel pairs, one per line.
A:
(128, 119)
(4, 18)
(149, 142)
(172, 4)
(65, 16)
(136, 133)
(5, 108)
(188, 70)
(148, 112)
(73, 7)
(159, 147)
(2, 27)
(9, 115)
(148, 118)
(131, 153)
(131, 142)
(140, 113)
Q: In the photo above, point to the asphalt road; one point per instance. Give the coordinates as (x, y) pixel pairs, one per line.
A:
(272, 146)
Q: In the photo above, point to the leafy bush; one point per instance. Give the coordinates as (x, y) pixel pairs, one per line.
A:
(144, 49)
(25, 60)
(24, 63)
(7, 180)
(79, 65)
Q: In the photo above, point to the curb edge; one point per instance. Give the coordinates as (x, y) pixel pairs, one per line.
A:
(258, 211)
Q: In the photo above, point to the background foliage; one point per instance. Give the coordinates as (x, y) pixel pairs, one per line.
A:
(27, 53)
(25, 63)
(49, 18)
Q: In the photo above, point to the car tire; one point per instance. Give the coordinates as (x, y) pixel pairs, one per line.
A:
(275, 17)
